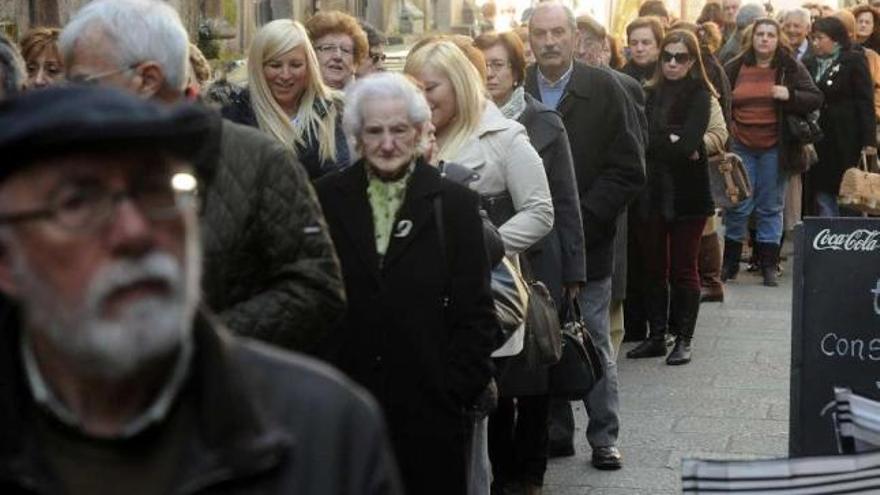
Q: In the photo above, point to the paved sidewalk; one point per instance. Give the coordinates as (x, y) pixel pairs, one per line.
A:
(730, 402)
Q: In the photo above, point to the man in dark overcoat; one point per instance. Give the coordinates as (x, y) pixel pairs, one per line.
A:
(603, 126)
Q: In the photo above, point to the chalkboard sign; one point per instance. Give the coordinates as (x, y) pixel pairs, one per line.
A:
(835, 324)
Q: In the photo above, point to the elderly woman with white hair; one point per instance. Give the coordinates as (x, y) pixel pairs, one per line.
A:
(287, 98)
(420, 324)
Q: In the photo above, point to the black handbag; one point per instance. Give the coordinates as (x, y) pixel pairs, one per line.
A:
(581, 366)
(803, 129)
(543, 340)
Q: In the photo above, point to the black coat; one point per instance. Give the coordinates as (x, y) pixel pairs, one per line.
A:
(559, 257)
(678, 187)
(240, 111)
(804, 97)
(424, 362)
(847, 118)
(270, 269)
(603, 128)
(267, 422)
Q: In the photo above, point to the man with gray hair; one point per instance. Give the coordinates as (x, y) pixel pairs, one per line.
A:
(609, 167)
(12, 73)
(112, 380)
(796, 26)
(270, 268)
(746, 16)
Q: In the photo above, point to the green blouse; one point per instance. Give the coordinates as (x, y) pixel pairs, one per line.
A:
(385, 199)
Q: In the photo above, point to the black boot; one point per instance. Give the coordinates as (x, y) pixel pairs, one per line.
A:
(730, 264)
(687, 307)
(657, 309)
(769, 254)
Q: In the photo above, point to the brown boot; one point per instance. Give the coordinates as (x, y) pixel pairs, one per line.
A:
(710, 269)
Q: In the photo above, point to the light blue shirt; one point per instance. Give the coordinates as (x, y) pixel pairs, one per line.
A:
(551, 92)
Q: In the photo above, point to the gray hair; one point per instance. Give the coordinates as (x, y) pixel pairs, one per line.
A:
(748, 14)
(385, 85)
(12, 72)
(141, 30)
(801, 12)
(569, 14)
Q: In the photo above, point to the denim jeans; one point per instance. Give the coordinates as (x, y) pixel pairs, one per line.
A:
(602, 403)
(767, 200)
(826, 205)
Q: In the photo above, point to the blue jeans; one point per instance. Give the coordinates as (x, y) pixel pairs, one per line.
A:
(767, 200)
(826, 205)
(602, 403)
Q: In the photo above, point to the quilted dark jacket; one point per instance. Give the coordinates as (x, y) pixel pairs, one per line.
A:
(271, 271)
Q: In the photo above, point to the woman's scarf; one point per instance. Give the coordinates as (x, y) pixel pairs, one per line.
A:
(825, 63)
(385, 197)
(515, 105)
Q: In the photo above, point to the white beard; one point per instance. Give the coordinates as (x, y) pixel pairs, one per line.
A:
(113, 348)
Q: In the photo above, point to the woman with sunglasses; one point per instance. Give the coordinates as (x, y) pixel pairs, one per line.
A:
(676, 201)
(768, 84)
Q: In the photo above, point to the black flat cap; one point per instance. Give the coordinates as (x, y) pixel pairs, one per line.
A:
(55, 121)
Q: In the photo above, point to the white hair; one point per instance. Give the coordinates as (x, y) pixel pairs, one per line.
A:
(801, 12)
(388, 86)
(140, 30)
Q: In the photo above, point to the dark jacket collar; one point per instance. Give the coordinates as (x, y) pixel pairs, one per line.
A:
(233, 438)
(424, 184)
(579, 86)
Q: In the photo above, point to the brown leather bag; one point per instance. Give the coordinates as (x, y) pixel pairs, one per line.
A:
(728, 180)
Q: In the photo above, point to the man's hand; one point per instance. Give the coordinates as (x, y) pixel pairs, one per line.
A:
(571, 289)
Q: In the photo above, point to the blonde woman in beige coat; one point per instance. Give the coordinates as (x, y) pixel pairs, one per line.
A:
(471, 131)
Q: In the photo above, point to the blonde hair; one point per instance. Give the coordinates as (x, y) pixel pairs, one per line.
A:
(272, 40)
(470, 98)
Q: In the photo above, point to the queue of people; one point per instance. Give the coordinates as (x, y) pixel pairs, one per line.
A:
(291, 287)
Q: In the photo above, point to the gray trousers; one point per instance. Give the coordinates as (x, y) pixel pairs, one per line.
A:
(602, 403)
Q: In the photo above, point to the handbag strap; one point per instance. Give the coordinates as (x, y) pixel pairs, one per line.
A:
(571, 310)
(444, 258)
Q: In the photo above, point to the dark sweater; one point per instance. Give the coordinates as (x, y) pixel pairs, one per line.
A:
(677, 187)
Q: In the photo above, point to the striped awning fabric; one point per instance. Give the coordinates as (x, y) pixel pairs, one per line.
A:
(857, 473)
(858, 421)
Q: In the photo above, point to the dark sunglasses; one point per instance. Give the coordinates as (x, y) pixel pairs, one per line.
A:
(680, 58)
(377, 57)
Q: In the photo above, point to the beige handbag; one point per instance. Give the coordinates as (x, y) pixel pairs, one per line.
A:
(860, 189)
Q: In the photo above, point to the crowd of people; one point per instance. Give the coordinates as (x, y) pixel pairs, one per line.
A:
(347, 222)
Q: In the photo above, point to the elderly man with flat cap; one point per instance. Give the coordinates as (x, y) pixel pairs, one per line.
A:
(112, 380)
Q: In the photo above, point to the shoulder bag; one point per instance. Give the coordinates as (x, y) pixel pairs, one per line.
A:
(803, 129)
(728, 180)
(581, 366)
(860, 189)
(543, 340)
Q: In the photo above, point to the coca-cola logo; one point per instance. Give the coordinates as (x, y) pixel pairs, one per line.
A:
(857, 240)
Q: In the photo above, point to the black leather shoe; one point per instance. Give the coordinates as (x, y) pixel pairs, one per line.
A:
(607, 458)
(681, 353)
(654, 346)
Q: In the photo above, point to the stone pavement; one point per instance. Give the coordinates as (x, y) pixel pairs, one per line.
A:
(730, 402)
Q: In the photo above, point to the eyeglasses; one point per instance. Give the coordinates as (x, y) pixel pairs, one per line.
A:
(333, 49)
(86, 206)
(377, 57)
(92, 79)
(680, 58)
(497, 65)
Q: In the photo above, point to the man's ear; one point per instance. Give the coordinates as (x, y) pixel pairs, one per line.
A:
(8, 284)
(149, 79)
